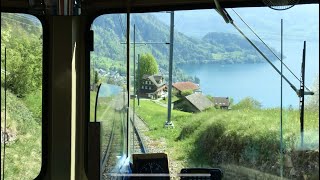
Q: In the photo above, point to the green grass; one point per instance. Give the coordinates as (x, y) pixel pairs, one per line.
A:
(23, 156)
(248, 137)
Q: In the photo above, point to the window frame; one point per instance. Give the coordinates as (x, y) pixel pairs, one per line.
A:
(45, 88)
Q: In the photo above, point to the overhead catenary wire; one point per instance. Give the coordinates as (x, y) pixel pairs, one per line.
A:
(274, 67)
(267, 47)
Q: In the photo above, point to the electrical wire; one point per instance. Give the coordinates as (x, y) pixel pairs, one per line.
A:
(274, 67)
(268, 47)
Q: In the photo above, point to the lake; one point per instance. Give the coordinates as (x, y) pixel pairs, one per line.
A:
(108, 90)
(259, 81)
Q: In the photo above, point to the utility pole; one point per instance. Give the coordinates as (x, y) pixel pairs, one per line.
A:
(281, 105)
(128, 80)
(138, 81)
(134, 82)
(169, 123)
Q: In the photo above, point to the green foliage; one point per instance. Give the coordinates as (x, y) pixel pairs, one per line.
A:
(189, 129)
(96, 78)
(186, 92)
(248, 103)
(21, 36)
(245, 137)
(147, 66)
(24, 55)
(33, 101)
(174, 92)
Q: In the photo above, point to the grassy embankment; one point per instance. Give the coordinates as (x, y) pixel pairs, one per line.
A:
(245, 137)
(23, 155)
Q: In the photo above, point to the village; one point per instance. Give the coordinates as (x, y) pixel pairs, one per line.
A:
(187, 96)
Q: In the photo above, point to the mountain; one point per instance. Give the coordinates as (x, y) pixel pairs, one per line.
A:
(222, 48)
(265, 21)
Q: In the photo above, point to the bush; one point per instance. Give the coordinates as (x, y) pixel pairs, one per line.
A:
(34, 103)
(189, 129)
(186, 92)
(248, 103)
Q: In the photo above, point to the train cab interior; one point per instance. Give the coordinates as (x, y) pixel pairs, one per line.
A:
(99, 89)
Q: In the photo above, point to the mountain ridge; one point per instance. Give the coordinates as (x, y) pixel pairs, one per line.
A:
(186, 49)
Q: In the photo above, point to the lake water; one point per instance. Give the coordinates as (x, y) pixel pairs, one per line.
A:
(107, 90)
(259, 81)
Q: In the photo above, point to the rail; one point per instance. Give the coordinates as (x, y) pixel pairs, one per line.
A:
(107, 152)
(140, 141)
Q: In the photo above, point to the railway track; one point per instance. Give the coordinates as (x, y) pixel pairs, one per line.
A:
(114, 149)
(138, 145)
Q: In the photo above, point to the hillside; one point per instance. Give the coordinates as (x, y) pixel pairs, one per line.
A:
(21, 36)
(242, 141)
(23, 151)
(229, 48)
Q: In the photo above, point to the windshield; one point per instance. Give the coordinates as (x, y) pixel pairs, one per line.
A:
(229, 108)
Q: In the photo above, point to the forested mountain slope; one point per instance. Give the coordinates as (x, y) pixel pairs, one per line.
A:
(214, 47)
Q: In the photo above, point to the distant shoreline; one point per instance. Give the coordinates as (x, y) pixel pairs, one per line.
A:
(202, 62)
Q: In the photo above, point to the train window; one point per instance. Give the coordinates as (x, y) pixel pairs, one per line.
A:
(108, 69)
(21, 96)
(226, 96)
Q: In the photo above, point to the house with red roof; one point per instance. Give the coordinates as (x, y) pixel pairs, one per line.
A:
(184, 86)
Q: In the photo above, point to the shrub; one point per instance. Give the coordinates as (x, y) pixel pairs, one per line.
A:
(248, 103)
(186, 92)
(189, 129)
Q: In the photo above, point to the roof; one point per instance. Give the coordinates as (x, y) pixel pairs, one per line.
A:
(200, 101)
(221, 101)
(182, 86)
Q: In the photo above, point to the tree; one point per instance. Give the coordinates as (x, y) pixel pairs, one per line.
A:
(96, 78)
(147, 65)
(24, 57)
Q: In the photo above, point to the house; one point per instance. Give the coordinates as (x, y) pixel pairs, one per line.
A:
(196, 102)
(183, 86)
(152, 86)
(222, 102)
(102, 72)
